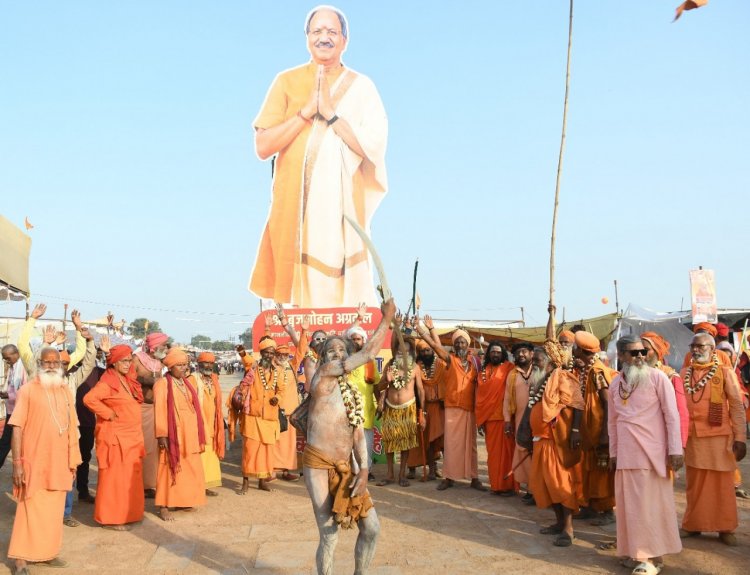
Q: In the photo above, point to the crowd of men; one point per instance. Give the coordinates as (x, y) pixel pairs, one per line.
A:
(563, 429)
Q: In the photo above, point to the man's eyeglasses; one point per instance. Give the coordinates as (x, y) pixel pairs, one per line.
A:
(637, 352)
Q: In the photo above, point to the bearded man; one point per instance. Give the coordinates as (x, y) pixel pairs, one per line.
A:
(148, 368)
(460, 457)
(645, 449)
(657, 349)
(327, 128)
(181, 436)
(594, 379)
(530, 369)
(116, 401)
(715, 444)
(259, 424)
(206, 383)
(335, 458)
(433, 383)
(490, 397)
(45, 456)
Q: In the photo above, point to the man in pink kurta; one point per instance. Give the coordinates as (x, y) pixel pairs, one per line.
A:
(645, 447)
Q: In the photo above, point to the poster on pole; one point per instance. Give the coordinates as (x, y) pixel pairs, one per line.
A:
(703, 296)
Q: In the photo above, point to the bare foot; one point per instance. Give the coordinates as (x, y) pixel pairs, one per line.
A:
(403, 482)
(165, 515)
(384, 482)
(117, 527)
(263, 485)
(245, 486)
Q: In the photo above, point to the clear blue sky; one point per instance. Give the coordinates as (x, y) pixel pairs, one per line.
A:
(125, 137)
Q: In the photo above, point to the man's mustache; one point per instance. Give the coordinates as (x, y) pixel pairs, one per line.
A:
(324, 45)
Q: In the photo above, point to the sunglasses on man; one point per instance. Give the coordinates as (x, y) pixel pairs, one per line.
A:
(637, 352)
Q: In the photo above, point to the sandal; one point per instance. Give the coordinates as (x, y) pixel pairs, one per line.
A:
(606, 518)
(286, 476)
(445, 484)
(56, 562)
(551, 530)
(404, 482)
(741, 493)
(476, 484)
(608, 546)
(117, 527)
(647, 568)
(564, 540)
(629, 562)
(384, 482)
(70, 522)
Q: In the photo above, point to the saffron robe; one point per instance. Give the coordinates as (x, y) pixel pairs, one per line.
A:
(514, 405)
(119, 452)
(209, 397)
(188, 487)
(50, 455)
(260, 428)
(490, 395)
(308, 255)
(460, 437)
(434, 394)
(285, 448)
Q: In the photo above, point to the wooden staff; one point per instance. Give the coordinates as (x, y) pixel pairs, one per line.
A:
(525, 457)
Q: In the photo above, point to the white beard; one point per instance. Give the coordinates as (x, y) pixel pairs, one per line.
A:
(703, 357)
(636, 375)
(536, 377)
(52, 378)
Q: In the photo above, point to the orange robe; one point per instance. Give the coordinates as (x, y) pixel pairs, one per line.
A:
(50, 455)
(598, 482)
(434, 394)
(189, 488)
(490, 395)
(119, 451)
(460, 438)
(209, 396)
(709, 461)
(514, 406)
(260, 429)
(285, 449)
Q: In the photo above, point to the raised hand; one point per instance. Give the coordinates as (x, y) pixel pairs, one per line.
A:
(428, 322)
(105, 344)
(388, 308)
(38, 310)
(361, 310)
(281, 315)
(86, 334)
(75, 317)
(60, 337)
(48, 336)
(305, 325)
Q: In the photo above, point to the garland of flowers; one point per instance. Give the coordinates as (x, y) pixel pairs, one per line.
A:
(398, 380)
(584, 375)
(692, 389)
(355, 408)
(263, 379)
(537, 396)
(430, 373)
(310, 354)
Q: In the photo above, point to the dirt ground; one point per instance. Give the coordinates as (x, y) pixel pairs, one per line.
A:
(423, 531)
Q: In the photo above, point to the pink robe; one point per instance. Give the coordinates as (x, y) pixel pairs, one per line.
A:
(644, 429)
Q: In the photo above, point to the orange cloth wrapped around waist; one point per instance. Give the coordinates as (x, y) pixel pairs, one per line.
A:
(346, 509)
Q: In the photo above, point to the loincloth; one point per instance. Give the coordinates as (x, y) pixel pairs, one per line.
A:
(399, 426)
(346, 510)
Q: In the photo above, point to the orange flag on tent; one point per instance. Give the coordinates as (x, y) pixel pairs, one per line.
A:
(688, 5)
(27, 223)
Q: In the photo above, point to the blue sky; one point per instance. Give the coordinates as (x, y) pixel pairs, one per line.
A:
(125, 137)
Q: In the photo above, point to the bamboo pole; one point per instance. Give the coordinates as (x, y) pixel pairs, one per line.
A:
(559, 175)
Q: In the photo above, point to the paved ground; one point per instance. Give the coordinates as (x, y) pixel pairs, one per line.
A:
(423, 532)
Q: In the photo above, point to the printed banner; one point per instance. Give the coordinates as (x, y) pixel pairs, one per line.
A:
(703, 296)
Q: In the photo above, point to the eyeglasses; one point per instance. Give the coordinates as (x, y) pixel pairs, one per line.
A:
(637, 352)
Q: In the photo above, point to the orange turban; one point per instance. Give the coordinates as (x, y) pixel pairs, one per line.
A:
(175, 356)
(266, 343)
(283, 348)
(567, 335)
(422, 344)
(587, 342)
(707, 327)
(206, 357)
(118, 352)
(64, 356)
(661, 346)
(460, 333)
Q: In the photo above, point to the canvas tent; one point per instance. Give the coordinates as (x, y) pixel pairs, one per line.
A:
(15, 247)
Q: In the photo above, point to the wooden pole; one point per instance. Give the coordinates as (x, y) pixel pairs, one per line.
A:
(559, 175)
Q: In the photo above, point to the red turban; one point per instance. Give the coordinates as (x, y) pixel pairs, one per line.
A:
(661, 346)
(154, 340)
(567, 335)
(705, 326)
(266, 343)
(118, 352)
(587, 342)
(64, 356)
(175, 356)
(722, 330)
(206, 357)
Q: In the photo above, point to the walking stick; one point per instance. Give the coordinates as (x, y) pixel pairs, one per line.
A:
(525, 457)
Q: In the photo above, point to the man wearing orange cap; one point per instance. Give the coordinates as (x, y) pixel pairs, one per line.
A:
(460, 457)
(715, 444)
(148, 367)
(490, 396)
(45, 456)
(116, 401)
(259, 426)
(567, 338)
(657, 349)
(206, 382)
(710, 329)
(431, 439)
(594, 379)
(554, 406)
(181, 436)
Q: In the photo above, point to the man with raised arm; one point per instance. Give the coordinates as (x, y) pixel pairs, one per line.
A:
(336, 484)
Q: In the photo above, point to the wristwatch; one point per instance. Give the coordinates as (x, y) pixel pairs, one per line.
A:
(333, 119)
